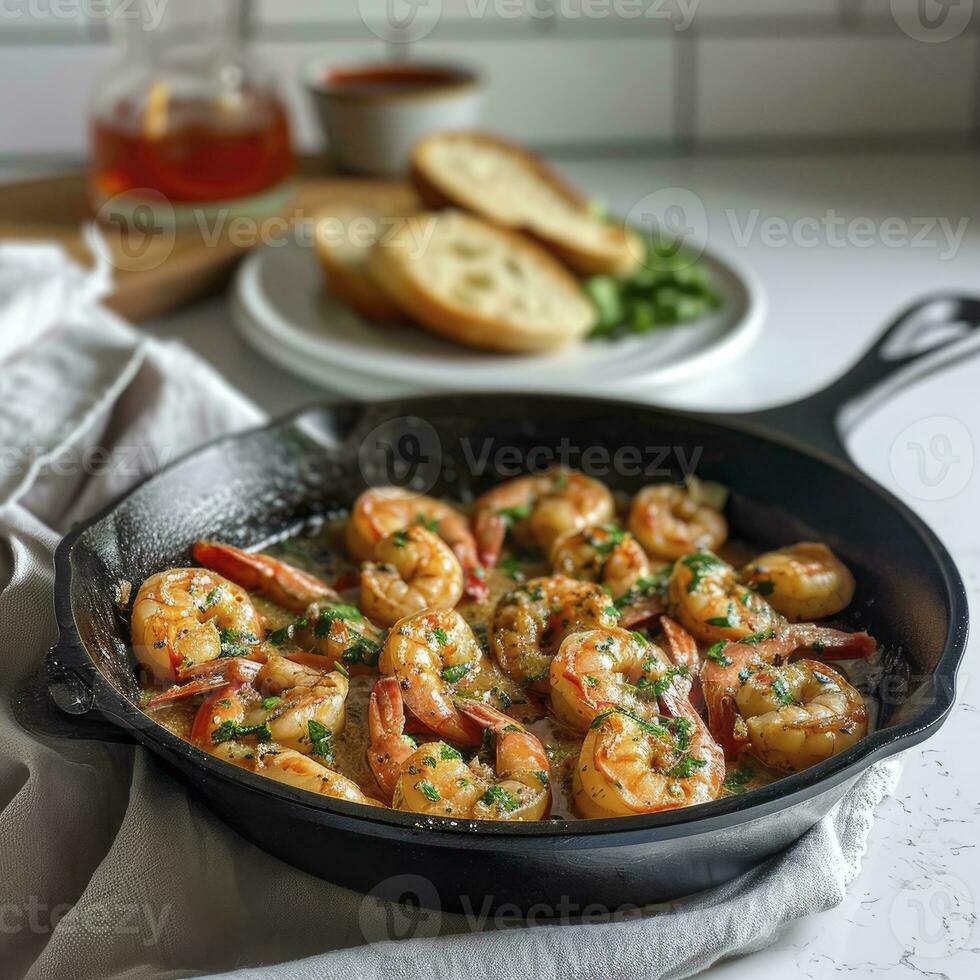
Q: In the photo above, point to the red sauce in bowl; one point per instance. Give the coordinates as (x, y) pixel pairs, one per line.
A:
(380, 81)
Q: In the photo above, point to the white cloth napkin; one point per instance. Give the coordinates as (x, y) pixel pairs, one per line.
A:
(108, 867)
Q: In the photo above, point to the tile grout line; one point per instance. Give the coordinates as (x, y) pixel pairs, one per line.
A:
(686, 84)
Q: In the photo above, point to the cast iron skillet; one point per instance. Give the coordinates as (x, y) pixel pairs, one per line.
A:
(252, 488)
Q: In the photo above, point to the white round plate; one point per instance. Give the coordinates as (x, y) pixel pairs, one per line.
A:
(282, 308)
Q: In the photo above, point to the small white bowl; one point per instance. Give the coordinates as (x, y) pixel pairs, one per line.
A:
(373, 114)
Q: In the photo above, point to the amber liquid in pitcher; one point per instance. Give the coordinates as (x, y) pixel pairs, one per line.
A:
(192, 151)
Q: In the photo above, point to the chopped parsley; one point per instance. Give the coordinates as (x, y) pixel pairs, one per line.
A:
(320, 737)
(447, 752)
(716, 652)
(456, 672)
(440, 636)
(270, 703)
(212, 598)
(228, 730)
(428, 790)
(236, 643)
(497, 796)
(759, 637)
(514, 514)
(362, 651)
(338, 610)
(605, 545)
(686, 766)
(699, 563)
(736, 781)
(728, 621)
(280, 636)
(400, 539)
(781, 691)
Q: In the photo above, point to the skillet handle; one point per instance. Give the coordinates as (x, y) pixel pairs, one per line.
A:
(923, 339)
(56, 702)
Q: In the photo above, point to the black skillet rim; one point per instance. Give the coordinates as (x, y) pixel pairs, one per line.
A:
(777, 795)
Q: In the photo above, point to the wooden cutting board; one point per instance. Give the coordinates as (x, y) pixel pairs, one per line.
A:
(172, 269)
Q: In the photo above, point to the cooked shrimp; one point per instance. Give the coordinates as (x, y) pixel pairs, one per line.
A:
(603, 554)
(682, 650)
(179, 617)
(379, 513)
(390, 747)
(435, 779)
(600, 669)
(303, 708)
(301, 771)
(539, 510)
(431, 654)
(669, 522)
(226, 682)
(414, 570)
(633, 765)
(799, 714)
(805, 581)
(284, 584)
(708, 601)
(726, 664)
(530, 623)
(335, 630)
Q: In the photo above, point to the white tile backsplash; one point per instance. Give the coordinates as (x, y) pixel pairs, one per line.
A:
(566, 71)
(784, 9)
(46, 111)
(557, 91)
(833, 86)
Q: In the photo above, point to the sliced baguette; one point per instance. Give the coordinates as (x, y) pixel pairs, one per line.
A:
(481, 285)
(345, 233)
(507, 185)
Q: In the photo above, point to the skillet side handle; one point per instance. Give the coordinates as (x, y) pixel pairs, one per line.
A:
(56, 702)
(923, 339)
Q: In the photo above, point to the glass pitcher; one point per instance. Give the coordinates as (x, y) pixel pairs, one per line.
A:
(186, 118)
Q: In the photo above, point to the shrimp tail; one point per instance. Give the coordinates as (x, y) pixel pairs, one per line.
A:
(386, 727)
(277, 580)
(201, 678)
(475, 582)
(482, 714)
(386, 710)
(490, 530)
(642, 611)
(683, 651)
(180, 692)
(834, 644)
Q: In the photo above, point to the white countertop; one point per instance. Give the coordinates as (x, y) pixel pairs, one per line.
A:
(911, 911)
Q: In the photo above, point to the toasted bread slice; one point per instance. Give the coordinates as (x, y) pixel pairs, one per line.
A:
(513, 188)
(345, 233)
(481, 285)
